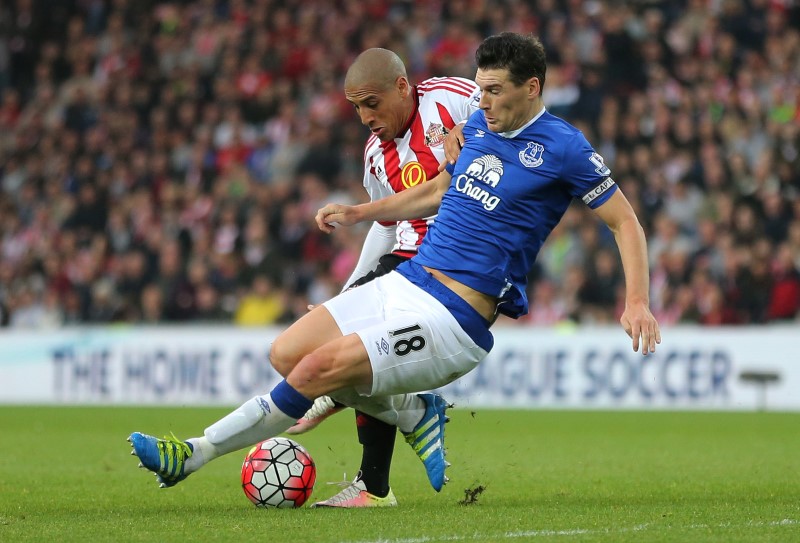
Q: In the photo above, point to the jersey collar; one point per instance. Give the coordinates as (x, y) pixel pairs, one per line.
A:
(515, 133)
(413, 115)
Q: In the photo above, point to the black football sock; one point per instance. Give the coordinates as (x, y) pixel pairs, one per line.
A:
(377, 438)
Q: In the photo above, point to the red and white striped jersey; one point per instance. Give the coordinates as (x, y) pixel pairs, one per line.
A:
(414, 156)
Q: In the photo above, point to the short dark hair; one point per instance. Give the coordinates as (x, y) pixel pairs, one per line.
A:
(522, 56)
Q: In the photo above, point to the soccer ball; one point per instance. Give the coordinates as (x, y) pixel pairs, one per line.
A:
(278, 472)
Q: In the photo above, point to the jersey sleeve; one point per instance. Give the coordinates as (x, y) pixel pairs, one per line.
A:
(457, 97)
(379, 241)
(470, 105)
(587, 175)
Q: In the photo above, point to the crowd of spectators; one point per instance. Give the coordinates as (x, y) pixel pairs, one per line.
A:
(162, 161)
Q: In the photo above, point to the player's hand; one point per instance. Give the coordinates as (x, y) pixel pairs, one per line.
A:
(639, 323)
(331, 215)
(452, 145)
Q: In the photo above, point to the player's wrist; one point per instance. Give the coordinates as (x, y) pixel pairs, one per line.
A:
(364, 212)
(637, 301)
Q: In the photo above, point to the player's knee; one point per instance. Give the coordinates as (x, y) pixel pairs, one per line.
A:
(283, 356)
(314, 376)
(314, 367)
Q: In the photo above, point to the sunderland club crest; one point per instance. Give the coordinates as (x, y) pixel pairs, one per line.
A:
(435, 135)
(531, 156)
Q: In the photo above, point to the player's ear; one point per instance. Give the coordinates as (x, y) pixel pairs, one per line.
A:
(534, 87)
(403, 86)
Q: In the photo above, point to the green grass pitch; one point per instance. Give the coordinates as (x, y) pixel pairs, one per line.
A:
(66, 474)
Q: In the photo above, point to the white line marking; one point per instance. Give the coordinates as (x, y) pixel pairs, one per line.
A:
(574, 532)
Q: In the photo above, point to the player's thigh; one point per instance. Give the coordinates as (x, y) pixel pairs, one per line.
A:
(307, 334)
(338, 317)
(340, 363)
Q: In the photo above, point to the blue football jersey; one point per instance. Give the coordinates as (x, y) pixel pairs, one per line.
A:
(506, 195)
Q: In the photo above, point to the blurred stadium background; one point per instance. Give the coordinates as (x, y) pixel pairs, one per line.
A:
(160, 164)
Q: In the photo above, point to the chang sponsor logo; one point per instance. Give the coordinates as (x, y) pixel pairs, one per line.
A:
(464, 185)
(486, 169)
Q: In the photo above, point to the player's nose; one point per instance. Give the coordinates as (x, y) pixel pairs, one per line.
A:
(366, 118)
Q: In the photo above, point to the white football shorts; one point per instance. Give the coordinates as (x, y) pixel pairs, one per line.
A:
(414, 342)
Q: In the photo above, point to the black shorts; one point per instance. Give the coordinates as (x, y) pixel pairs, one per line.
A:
(386, 263)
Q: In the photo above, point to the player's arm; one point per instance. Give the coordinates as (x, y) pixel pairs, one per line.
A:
(379, 241)
(637, 320)
(419, 201)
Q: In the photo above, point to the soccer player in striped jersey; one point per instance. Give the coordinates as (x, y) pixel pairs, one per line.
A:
(409, 125)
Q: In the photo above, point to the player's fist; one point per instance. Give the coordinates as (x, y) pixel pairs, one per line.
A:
(332, 215)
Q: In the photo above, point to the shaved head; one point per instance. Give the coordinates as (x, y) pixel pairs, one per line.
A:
(377, 86)
(375, 67)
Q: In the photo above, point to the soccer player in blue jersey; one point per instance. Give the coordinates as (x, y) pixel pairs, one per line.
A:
(428, 323)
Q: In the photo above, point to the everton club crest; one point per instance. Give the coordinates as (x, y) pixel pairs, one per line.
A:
(531, 156)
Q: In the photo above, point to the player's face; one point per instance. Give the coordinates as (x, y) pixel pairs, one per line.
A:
(384, 111)
(505, 105)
